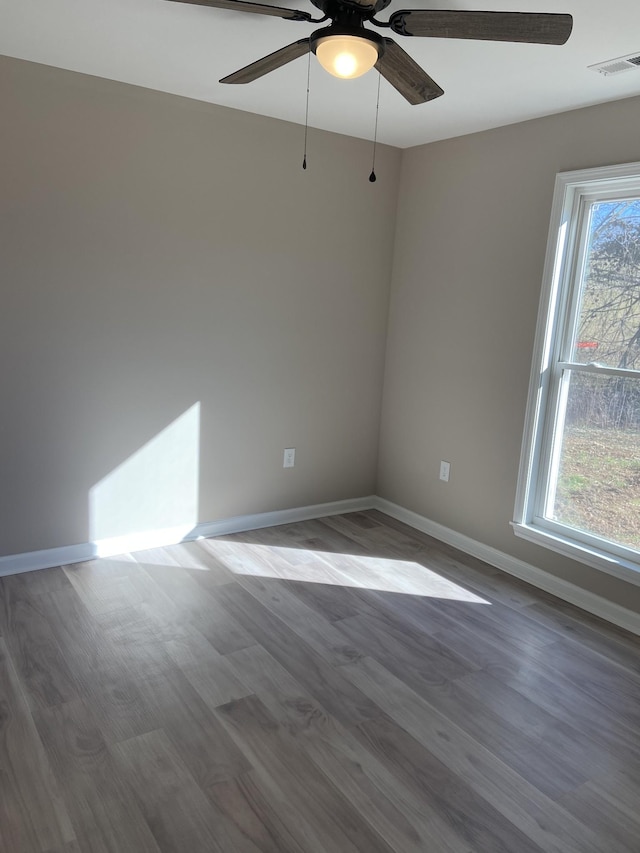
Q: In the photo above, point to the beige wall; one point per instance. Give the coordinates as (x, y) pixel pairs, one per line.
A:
(471, 236)
(156, 253)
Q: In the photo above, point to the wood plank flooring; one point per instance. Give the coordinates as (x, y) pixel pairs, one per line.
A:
(346, 685)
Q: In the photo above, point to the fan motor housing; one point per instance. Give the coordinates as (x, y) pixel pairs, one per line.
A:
(358, 32)
(335, 8)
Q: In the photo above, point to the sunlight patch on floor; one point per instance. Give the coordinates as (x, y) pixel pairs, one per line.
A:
(349, 570)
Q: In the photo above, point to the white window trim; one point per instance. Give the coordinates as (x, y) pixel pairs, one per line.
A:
(572, 189)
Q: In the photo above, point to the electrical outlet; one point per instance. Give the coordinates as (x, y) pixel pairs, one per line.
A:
(289, 457)
(445, 468)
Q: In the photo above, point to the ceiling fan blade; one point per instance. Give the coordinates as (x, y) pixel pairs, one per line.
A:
(269, 63)
(529, 27)
(256, 8)
(405, 75)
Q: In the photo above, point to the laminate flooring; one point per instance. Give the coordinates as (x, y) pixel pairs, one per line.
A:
(331, 686)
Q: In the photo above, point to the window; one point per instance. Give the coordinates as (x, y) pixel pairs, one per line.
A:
(579, 484)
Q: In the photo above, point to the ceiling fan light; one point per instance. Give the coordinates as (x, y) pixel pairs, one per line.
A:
(346, 56)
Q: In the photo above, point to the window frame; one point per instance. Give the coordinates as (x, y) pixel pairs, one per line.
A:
(557, 315)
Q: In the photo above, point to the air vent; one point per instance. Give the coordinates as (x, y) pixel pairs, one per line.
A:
(618, 65)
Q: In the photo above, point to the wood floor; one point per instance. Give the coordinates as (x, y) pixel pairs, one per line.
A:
(338, 685)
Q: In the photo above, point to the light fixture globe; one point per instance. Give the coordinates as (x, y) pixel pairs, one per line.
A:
(346, 53)
(346, 56)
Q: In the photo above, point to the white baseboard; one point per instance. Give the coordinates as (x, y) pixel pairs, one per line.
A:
(285, 516)
(15, 564)
(621, 616)
(68, 554)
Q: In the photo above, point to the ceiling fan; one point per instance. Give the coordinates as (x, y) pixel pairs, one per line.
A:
(346, 49)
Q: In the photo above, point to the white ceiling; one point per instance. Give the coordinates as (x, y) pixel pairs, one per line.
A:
(185, 49)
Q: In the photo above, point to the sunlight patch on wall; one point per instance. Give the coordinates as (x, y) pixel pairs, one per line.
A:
(152, 494)
(349, 570)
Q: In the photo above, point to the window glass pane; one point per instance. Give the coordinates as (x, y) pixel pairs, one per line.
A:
(608, 327)
(595, 482)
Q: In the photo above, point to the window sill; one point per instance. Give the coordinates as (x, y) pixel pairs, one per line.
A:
(612, 565)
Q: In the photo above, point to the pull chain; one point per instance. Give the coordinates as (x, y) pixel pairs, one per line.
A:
(372, 176)
(306, 115)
